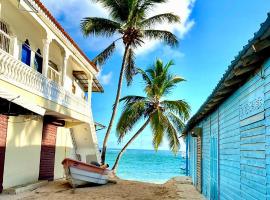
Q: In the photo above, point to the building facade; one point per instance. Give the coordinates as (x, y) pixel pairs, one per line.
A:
(228, 139)
(46, 83)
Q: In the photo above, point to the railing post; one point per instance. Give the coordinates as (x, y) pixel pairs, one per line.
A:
(46, 47)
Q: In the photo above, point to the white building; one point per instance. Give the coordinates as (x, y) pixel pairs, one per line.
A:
(46, 83)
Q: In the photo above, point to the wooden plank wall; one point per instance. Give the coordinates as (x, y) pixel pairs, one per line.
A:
(206, 157)
(244, 144)
(199, 163)
(267, 125)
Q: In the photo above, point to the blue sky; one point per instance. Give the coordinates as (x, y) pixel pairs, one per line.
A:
(211, 34)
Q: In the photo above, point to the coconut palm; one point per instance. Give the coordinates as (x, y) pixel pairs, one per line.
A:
(129, 21)
(166, 117)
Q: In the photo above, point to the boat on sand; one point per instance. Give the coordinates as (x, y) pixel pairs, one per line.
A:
(80, 173)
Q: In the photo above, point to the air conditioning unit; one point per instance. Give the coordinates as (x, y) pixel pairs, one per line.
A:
(197, 131)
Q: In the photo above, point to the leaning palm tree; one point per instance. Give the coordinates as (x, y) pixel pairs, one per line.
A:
(129, 21)
(166, 117)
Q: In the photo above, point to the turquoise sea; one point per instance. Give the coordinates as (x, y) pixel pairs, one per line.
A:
(147, 165)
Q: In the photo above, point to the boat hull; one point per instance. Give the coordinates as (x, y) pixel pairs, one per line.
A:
(79, 173)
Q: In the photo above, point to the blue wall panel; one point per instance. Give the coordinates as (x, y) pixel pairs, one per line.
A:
(243, 143)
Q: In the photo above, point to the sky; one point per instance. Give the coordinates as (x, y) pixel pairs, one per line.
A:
(211, 34)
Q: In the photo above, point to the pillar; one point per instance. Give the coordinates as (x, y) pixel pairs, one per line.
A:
(46, 47)
(64, 70)
(0, 8)
(15, 47)
(90, 83)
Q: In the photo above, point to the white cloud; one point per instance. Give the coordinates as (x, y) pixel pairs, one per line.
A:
(70, 12)
(105, 79)
(183, 9)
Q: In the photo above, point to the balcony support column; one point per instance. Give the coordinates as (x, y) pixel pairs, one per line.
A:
(64, 70)
(46, 47)
(90, 82)
(0, 8)
(15, 47)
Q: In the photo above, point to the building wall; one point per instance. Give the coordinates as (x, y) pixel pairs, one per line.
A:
(22, 150)
(3, 138)
(64, 149)
(241, 126)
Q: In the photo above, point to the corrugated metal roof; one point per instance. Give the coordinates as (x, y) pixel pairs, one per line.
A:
(230, 81)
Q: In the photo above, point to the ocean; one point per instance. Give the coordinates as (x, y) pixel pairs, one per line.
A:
(147, 165)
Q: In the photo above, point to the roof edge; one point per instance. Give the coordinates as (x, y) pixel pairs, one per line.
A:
(58, 25)
(231, 74)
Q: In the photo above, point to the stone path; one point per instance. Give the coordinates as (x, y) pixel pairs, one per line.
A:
(186, 190)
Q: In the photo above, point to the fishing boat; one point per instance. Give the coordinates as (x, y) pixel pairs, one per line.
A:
(80, 173)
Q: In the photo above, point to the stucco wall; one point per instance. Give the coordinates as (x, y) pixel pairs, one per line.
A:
(64, 149)
(22, 150)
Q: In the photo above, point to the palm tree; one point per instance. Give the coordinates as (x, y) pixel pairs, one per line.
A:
(129, 21)
(166, 117)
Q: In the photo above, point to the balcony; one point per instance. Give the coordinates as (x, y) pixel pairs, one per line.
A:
(21, 75)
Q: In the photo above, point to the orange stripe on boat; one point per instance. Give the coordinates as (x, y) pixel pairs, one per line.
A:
(67, 162)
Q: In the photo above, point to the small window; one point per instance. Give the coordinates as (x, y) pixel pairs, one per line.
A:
(73, 88)
(4, 37)
(38, 61)
(26, 53)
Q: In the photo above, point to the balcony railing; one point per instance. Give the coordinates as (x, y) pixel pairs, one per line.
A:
(5, 41)
(23, 76)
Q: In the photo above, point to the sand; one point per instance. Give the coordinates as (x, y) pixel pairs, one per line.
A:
(128, 190)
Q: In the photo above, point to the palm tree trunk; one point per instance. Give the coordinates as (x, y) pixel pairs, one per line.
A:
(117, 98)
(114, 168)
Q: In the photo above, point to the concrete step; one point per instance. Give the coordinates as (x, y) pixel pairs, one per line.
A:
(25, 188)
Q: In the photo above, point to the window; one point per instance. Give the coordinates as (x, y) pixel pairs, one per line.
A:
(26, 53)
(38, 61)
(4, 37)
(73, 88)
(53, 72)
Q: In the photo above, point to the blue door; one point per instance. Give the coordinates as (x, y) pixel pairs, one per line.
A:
(213, 170)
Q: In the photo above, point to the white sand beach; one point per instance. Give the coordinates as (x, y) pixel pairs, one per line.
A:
(122, 190)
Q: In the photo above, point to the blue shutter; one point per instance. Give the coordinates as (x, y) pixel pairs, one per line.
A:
(26, 54)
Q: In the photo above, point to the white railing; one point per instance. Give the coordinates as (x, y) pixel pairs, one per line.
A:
(23, 76)
(54, 75)
(5, 41)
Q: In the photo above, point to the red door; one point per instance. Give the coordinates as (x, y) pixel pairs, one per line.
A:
(47, 154)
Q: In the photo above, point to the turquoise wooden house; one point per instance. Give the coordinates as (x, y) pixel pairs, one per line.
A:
(228, 139)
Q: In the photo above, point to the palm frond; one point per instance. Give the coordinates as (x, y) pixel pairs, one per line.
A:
(158, 129)
(176, 121)
(99, 26)
(130, 69)
(169, 84)
(144, 76)
(118, 9)
(165, 36)
(180, 107)
(131, 114)
(105, 54)
(161, 18)
(172, 134)
(132, 99)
